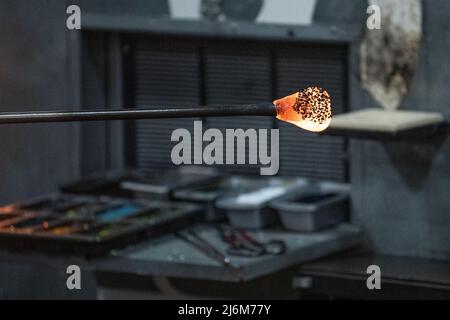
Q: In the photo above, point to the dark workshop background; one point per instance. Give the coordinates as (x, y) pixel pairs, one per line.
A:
(400, 189)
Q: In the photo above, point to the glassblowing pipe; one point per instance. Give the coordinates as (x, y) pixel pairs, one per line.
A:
(309, 109)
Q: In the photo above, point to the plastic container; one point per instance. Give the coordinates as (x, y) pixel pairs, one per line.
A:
(250, 209)
(320, 207)
(206, 193)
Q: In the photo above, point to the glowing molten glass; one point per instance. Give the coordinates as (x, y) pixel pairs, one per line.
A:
(309, 109)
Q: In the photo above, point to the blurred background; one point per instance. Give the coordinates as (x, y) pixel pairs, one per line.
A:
(372, 190)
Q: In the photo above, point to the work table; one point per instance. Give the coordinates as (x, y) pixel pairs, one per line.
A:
(170, 257)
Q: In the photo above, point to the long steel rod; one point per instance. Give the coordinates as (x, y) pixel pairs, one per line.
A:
(267, 109)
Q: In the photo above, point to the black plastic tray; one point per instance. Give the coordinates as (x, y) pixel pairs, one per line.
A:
(147, 184)
(98, 185)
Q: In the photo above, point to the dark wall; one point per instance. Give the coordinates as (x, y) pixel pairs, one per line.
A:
(35, 74)
(40, 70)
(401, 190)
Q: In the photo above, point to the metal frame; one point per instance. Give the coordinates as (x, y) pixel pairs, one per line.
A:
(235, 30)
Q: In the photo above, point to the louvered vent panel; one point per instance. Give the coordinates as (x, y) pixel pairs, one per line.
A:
(166, 74)
(238, 75)
(302, 153)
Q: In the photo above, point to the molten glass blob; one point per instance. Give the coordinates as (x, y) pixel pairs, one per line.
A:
(309, 109)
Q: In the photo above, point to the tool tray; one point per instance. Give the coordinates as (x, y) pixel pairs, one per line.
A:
(88, 226)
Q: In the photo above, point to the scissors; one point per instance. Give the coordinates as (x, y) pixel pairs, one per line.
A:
(242, 244)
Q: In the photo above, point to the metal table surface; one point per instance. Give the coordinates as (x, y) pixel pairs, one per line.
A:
(170, 256)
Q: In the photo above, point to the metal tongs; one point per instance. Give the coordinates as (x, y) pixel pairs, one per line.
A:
(205, 247)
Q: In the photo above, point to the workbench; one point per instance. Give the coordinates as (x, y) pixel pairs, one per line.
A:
(167, 257)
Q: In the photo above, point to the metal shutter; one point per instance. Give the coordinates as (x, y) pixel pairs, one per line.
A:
(178, 72)
(166, 74)
(237, 76)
